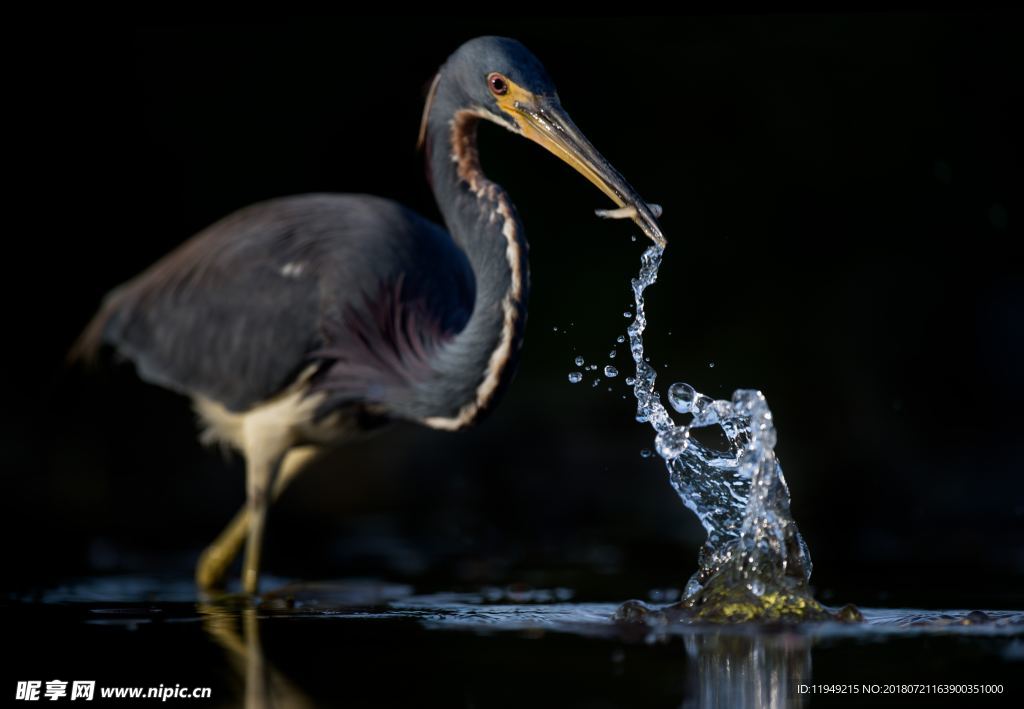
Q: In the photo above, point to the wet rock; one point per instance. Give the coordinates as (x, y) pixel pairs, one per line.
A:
(976, 617)
(634, 611)
(849, 614)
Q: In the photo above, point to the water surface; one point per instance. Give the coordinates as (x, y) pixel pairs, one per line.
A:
(372, 643)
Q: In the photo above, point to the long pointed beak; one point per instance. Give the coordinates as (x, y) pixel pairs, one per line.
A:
(544, 121)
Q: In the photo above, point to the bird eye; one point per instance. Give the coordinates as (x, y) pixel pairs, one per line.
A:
(498, 84)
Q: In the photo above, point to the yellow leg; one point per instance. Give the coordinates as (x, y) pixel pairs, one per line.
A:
(259, 474)
(217, 558)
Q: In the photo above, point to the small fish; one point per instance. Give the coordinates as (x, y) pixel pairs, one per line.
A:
(628, 212)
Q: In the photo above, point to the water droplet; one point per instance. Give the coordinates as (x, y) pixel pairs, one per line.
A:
(645, 453)
(555, 328)
(630, 381)
(627, 314)
(633, 238)
(756, 587)
(596, 382)
(620, 339)
(579, 361)
(711, 365)
(612, 354)
(610, 371)
(575, 377)
(681, 397)
(592, 367)
(701, 403)
(704, 413)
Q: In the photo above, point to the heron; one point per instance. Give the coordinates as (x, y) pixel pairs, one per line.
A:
(300, 323)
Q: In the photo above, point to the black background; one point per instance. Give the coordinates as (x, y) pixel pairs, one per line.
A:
(842, 198)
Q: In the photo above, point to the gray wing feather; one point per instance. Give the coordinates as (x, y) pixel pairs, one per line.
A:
(237, 312)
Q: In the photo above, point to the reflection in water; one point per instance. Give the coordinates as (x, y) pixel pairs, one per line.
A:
(746, 670)
(234, 624)
(748, 666)
(237, 630)
(498, 645)
(724, 669)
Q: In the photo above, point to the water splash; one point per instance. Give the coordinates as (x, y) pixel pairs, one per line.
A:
(754, 563)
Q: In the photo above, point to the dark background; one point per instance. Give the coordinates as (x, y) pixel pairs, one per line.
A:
(842, 198)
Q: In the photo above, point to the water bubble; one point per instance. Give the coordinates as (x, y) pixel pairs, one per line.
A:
(579, 361)
(681, 397)
(701, 403)
(610, 371)
(575, 377)
(756, 587)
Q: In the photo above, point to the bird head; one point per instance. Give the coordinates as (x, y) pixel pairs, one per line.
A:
(500, 80)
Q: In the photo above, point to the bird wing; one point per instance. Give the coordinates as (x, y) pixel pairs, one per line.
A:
(228, 315)
(239, 311)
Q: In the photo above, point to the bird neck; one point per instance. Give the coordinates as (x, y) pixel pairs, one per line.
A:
(483, 222)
